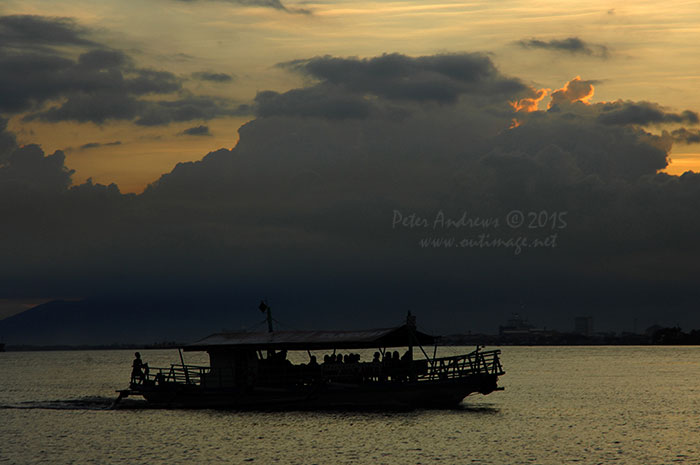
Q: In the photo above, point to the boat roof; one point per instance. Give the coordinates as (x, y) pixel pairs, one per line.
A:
(311, 340)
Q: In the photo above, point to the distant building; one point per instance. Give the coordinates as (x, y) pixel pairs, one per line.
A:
(515, 326)
(583, 325)
(518, 330)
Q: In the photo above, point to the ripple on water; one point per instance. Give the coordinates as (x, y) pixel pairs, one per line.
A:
(623, 405)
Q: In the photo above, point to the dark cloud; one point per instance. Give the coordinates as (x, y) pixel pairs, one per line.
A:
(197, 131)
(8, 141)
(93, 145)
(90, 145)
(102, 84)
(437, 78)
(274, 4)
(349, 88)
(314, 102)
(148, 81)
(642, 113)
(186, 109)
(573, 45)
(84, 108)
(686, 136)
(39, 32)
(32, 78)
(26, 80)
(28, 169)
(103, 59)
(213, 77)
(301, 210)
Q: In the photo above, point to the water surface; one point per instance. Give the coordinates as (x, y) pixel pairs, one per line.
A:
(627, 405)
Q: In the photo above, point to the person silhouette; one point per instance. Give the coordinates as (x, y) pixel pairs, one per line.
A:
(137, 369)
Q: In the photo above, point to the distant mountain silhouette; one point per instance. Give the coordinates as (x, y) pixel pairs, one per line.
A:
(98, 322)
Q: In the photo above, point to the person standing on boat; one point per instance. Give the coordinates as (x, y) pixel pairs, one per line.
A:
(137, 369)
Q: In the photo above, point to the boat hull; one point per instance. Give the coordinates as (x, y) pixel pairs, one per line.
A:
(329, 395)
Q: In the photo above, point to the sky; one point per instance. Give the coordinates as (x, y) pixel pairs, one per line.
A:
(291, 146)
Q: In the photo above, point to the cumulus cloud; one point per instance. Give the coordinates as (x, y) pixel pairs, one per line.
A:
(574, 99)
(530, 104)
(304, 204)
(574, 91)
(572, 45)
(28, 169)
(197, 131)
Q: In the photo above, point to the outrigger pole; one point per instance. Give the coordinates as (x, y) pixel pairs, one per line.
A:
(184, 368)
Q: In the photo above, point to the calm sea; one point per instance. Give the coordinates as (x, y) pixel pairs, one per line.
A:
(589, 405)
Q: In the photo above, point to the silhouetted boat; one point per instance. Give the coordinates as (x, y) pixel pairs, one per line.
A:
(249, 370)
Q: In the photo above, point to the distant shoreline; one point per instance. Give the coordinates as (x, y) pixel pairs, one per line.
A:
(655, 336)
(26, 348)
(48, 348)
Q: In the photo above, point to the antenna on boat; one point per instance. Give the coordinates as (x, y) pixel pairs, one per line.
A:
(266, 309)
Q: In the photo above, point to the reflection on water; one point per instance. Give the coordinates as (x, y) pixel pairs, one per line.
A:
(560, 405)
(108, 403)
(84, 403)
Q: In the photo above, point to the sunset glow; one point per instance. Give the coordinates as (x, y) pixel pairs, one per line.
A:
(531, 104)
(574, 91)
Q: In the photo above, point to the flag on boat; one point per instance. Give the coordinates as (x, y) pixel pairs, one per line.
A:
(263, 306)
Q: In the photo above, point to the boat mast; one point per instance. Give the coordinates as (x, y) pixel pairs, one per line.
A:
(411, 325)
(266, 309)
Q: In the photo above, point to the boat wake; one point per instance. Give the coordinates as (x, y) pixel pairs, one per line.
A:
(477, 408)
(82, 403)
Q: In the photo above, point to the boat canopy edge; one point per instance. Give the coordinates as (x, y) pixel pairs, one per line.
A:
(399, 336)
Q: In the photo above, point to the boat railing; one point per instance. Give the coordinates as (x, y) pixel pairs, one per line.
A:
(459, 366)
(444, 368)
(180, 374)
